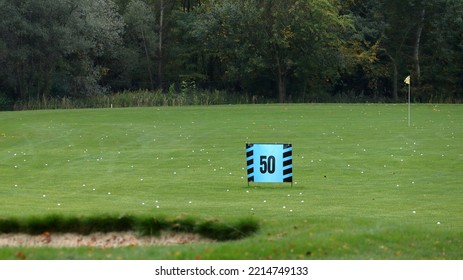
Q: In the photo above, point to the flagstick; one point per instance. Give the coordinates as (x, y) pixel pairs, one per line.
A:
(409, 104)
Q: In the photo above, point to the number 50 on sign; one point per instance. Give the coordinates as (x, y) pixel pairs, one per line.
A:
(269, 162)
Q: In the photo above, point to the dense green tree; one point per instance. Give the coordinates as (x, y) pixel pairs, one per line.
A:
(140, 43)
(279, 40)
(284, 50)
(366, 68)
(393, 39)
(442, 52)
(53, 46)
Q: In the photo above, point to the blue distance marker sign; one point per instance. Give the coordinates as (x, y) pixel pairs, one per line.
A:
(269, 162)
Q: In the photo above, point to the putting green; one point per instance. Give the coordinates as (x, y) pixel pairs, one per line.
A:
(365, 184)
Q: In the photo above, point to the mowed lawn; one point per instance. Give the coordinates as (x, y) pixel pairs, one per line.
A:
(366, 186)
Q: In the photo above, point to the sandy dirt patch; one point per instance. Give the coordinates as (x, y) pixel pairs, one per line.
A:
(101, 240)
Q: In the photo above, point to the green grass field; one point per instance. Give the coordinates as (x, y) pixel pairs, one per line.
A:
(366, 186)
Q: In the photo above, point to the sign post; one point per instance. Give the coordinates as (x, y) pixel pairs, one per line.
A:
(269, 163)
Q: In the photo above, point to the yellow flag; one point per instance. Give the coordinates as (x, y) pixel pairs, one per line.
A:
(407, 80)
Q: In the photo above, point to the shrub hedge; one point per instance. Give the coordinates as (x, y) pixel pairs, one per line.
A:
(213, 229)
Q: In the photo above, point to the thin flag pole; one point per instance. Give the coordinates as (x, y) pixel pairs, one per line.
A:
(409, 111)
(407, 81)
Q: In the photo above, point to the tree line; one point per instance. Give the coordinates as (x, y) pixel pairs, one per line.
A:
(287, 51)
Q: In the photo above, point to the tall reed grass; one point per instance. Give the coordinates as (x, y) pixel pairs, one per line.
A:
(141, 98)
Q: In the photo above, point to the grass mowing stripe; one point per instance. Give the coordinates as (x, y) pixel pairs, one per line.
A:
(366, 185)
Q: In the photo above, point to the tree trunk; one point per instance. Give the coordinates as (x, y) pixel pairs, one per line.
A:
(187, 6)
(22, 88)
(160, 46)
(281, 87)
(416, 51)
(281, 81)
(395, 78)
(148, 60)
(396, 81)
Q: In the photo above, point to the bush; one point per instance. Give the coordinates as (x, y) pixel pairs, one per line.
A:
(9, 225)
(151, 226)
(222, 232)
(6, 103)
(187, 224)
(107, 224)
